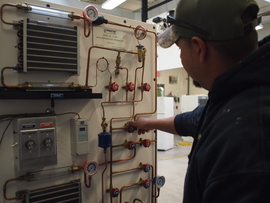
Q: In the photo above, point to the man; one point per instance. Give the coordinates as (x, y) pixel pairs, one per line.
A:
(230, 157)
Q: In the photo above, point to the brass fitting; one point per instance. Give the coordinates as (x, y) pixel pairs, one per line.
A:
(24, 7)
(141, 52)
(26, 177)
(75, 16)
(75, 168)
(117, 61)
(25, 86)
(104, 124)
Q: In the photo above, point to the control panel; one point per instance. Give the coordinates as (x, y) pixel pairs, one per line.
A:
(34, 142)
(79, 136)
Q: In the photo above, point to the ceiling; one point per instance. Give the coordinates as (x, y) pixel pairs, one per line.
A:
(135, 5)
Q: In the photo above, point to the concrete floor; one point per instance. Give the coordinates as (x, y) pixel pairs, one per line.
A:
(172, 164)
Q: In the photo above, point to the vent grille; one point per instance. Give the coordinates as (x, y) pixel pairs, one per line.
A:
(50, 47)
(63, 193)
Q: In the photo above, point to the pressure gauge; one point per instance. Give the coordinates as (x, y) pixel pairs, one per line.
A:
(90, 167)
(90, 13)
(159, 181)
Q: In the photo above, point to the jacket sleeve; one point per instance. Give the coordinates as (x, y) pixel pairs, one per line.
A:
(186, 124)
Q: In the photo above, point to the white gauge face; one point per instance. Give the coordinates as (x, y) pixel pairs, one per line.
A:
(90, 168)
(90, 13)
(159, 181)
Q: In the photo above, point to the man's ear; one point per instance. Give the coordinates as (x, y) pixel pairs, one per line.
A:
(200, 48)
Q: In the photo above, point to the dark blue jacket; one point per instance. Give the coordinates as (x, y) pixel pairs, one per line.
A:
(230, 158)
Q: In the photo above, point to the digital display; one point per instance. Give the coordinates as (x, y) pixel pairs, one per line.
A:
(82, 129)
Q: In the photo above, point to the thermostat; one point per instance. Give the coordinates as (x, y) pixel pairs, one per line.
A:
(79, 136)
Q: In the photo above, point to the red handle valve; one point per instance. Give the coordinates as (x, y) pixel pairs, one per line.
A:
(146, 143)
(130, 145)
(146, 183)
(146, 167)
(146, 87)
(130, 87)
(114, 192)
(113, 86)
(131, 129)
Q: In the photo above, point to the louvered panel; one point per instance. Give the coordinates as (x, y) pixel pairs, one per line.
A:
(63, 193)
(50, 47)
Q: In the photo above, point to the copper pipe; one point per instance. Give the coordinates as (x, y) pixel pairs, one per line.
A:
(88, 185)
(2, 13)
(2, 78)
(87, 34)
(126, 186)
(120, 160)
(5, 190)
(104, 48)
(156, 196)
(105, 157)
(125, 170)
(136, 199)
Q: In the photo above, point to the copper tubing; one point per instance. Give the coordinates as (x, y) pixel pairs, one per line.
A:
(120, 160)
(104, 48)
(106, 164)
(2, 13)
(130, 169)
(87, 30)
(136, 199)
(2, 77)
(88, 185)
(126, 186)
(5, 190)
(157, 194)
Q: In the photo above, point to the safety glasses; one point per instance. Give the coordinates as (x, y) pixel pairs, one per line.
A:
(172, 21)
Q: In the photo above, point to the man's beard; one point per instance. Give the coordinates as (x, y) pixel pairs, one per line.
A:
(196, 84)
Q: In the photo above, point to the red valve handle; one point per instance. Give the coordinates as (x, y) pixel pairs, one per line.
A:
(131, 129)
(130, 87)
(146, 87)
(113, 86)
(130, 145)
(146, 167)
(146, 183)
(114, 192)
(146, 143)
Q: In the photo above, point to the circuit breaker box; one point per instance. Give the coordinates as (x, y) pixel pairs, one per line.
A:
(35, 142)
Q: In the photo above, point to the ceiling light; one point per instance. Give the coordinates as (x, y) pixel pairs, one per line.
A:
(267, 0)
(111, 4)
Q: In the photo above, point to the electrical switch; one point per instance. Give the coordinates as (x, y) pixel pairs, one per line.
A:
(30, 145)
(114, 192)
(48, 142)
(146, 142)
(130, 145)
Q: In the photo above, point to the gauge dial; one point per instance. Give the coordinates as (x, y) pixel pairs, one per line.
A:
(90, 13)
(90, 167)
(159, 181)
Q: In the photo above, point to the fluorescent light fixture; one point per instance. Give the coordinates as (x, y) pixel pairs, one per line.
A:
(267, 0)
(111, 4)
(259, 27)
